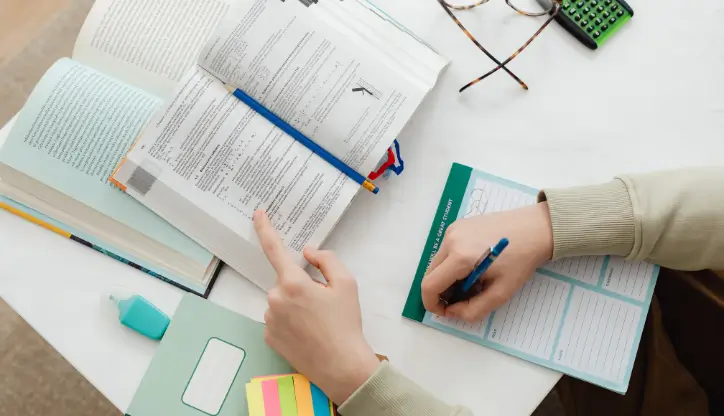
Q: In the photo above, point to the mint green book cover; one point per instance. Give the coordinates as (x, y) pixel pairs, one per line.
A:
(203, 363)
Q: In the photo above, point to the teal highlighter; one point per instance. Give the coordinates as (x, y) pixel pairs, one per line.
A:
(142, 316)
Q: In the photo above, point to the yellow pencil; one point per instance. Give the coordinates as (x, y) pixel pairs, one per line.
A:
(34, 220)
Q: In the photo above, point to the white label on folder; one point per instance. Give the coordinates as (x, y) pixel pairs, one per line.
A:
(213, 376)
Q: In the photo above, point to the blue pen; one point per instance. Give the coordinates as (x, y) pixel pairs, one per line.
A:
(457, 292)
(304, 140)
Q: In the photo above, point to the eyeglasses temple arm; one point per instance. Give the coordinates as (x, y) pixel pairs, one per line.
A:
(525, 45)
(470, 36)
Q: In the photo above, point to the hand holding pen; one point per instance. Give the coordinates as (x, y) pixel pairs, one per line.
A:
(463, 250)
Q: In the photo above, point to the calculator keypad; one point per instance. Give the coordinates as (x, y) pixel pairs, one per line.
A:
(594, 16)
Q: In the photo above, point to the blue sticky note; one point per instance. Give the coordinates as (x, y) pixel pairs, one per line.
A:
(320, 402)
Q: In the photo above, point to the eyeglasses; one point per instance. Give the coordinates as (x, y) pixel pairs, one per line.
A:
(524, 7)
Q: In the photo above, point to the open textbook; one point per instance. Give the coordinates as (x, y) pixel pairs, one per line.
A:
(130, 56)
(582, 316)
(82, 118)
(340, 72)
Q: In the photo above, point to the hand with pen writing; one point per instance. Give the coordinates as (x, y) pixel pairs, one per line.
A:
(531, 245)
(316, 327)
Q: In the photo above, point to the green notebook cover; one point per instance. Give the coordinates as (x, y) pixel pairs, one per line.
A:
(203, 363)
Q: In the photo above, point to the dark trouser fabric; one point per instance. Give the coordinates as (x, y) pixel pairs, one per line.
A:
(679, 368)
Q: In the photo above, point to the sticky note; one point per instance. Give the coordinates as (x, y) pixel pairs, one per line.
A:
(303, 393)
(320, 402)
(287, 398)
(270, 392)
(255, 399)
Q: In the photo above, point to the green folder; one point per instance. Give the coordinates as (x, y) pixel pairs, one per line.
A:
(203, 363)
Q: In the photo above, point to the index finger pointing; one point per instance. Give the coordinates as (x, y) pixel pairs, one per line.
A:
(271, 243)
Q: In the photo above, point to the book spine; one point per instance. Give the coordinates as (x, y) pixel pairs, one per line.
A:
(24, 215)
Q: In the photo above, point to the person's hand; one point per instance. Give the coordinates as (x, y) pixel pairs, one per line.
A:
(531, 245)
(317, 328)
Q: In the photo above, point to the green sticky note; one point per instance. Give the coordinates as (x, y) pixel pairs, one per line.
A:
(287, 397)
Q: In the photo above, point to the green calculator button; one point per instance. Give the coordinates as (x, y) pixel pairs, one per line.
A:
(592, 22)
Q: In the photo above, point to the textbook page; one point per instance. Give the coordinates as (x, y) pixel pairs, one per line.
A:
(72, 132)
(582, 316)
(313, 77)
(150, 44)
(206, 162)
(373, 30)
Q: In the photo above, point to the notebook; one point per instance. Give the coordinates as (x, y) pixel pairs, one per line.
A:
(203, 363)
(343, 73)
(581, 316)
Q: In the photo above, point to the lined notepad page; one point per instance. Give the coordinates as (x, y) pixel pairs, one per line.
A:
(582, 316)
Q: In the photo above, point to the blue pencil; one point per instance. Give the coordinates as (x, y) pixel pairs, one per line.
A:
(304, 140)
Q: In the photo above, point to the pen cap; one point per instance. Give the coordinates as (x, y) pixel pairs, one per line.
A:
(498, 248)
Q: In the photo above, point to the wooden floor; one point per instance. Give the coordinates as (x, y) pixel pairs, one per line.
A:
(22, 21)
(34, 379)
(33, 35)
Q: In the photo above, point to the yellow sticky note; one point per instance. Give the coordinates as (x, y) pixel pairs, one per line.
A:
(255, 399)
(303, 392)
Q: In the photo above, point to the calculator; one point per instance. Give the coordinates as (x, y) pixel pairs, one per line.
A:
(592, 22)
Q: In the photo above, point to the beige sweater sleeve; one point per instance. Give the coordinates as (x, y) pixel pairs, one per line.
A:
(388, 393)
(671, 218)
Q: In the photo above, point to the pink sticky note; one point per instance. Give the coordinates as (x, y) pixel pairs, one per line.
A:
(270, 391)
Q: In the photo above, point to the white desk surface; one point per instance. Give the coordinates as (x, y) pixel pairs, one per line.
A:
(652, 98)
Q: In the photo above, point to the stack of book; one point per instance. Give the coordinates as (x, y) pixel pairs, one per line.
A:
(146, 90)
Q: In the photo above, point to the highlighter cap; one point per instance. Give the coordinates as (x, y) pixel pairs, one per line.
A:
(140, 315)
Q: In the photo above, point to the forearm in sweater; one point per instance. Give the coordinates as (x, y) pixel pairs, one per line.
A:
(671, 218)
(388, 393)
